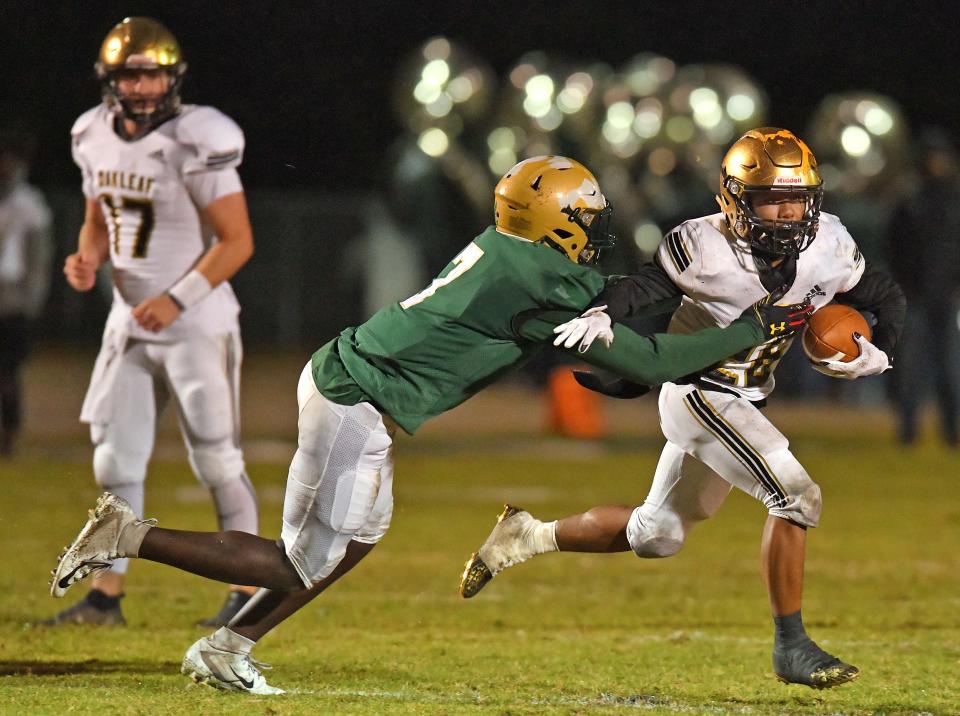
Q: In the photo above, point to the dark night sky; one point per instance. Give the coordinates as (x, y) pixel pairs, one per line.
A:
(309, 82)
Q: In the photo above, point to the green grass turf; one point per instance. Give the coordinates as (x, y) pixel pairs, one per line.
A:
(565, 634)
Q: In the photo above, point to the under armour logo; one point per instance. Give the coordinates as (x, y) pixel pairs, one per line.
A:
(776, 328)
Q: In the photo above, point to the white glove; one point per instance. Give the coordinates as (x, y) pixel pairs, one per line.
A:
(591, 325)
(871, 361)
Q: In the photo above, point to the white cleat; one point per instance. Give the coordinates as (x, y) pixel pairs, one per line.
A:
(96, 546)
(508, 544)
(227, 670)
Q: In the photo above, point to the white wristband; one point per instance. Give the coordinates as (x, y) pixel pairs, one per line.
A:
(190, 290)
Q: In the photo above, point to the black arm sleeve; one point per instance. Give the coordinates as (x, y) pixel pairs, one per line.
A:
(646, 292)
(879, 294)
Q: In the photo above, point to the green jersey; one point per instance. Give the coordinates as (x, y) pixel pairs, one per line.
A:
(489, 310)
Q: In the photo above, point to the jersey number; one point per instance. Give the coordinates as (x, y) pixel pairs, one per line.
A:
(755, 367)
(141, 211)
(463, 261)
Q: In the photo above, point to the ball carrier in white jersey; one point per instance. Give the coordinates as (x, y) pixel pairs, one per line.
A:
(165, 206)
(770, 237)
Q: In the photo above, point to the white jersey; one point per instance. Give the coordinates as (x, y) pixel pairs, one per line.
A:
(151, 190)
(719, 278)
(25, 250)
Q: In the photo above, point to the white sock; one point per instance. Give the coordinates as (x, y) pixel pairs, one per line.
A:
(543, 537)
(131, 537)
(224, 638)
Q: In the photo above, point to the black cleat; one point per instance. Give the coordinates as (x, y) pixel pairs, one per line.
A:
(234, 603)
(85, 612)
(809, 665)
(475, 576)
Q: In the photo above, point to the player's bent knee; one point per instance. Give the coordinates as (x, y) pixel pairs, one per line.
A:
(377, 525)
(811, 504)
(215, 464)
(653, 534)
(804, 508)
(117, 465)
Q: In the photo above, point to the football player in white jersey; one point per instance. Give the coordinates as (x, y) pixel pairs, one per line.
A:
(769, 237)
(26, 250)
(166, 208)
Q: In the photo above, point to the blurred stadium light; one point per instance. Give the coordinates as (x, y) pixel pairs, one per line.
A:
(439, 90)
(861, 141)
(545, 106)
(708, 107)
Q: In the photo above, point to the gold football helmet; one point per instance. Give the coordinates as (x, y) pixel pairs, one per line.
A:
(556, 201)
(771, 160)
(140, 43)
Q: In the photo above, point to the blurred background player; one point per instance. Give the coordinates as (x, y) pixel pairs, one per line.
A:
(165, 206)
(923, 246)
(769, 238)
(492, 308)
(26, 250)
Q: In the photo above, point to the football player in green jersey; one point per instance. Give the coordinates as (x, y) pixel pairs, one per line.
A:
(500, 300)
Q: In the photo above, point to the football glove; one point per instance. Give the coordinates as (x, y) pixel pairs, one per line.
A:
(591, 325)
(871, 361)
(778, 321)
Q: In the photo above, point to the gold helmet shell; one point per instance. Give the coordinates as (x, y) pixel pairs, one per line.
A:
(766, 160)
(556, 201)
(140, 43)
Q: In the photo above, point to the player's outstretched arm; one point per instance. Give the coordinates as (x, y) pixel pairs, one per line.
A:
(662, 357)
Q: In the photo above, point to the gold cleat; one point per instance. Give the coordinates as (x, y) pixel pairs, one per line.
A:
(476, 574)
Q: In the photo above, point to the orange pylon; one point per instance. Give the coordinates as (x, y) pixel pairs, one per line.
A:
(574, 411)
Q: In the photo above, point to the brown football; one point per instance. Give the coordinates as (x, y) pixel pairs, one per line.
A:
(829, 333)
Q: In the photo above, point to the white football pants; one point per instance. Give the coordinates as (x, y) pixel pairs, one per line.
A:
(340, 484)
(741, 447)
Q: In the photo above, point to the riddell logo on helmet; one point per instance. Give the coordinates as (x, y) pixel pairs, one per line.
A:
(787, 180)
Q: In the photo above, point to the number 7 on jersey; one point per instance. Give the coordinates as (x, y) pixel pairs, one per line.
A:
(463, 261)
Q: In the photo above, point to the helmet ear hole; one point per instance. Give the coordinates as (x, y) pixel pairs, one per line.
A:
(563, 233)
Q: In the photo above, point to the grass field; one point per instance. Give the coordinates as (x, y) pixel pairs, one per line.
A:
(564, 634)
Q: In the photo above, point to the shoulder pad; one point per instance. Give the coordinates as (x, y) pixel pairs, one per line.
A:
(86, 119)
(214, 140)
(832, 223)
(844, 244)
(679, 248)
(834, 230)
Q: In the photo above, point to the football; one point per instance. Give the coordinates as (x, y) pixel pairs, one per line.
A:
(829, 333)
